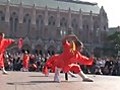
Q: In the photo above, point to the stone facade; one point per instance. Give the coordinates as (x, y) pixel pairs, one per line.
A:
(42, 28)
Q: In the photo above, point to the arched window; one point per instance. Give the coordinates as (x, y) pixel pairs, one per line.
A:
(13, 22)
(39, 22)
(105, 28)
(63, 22)
(86, 33)
(2, 16)
(74, 23)
(86, 25)
(51, 21)
(27, 22)
(96, 25)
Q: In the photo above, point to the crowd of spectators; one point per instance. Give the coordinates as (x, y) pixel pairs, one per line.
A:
(14, 61)
(101, 65)
(104, 66)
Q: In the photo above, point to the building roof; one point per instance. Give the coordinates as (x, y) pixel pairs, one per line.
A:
(74, 5)
(113, 30)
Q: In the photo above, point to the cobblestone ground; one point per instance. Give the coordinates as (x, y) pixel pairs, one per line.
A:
(37, 81)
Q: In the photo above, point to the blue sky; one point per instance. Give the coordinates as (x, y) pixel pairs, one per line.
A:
(112, 9)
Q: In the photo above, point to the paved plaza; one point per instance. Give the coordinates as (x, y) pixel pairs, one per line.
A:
(37, 81)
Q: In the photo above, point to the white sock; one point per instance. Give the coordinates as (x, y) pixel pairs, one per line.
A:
(56, 77)
(3, 70)
(82, 75)
(71, 74)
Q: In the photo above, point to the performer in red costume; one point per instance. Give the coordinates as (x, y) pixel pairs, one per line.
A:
(67, 61)
(4, 43)
(26, 58)
(70, 57)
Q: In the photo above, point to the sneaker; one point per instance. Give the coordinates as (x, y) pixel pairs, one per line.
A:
(88, 80)
(4, 72)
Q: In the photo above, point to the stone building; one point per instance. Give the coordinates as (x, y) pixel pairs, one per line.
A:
(42, 23)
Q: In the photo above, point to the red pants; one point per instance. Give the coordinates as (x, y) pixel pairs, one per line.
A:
(25, 64)
(1, 60)
(73, 68)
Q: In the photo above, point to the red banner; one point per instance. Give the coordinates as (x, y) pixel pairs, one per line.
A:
(20, 43)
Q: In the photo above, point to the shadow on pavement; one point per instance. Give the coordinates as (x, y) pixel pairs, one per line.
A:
(20, 83)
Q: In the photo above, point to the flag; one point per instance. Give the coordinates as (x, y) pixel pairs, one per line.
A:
(20, 43)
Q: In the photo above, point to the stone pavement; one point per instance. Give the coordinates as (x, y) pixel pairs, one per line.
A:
(37, 81)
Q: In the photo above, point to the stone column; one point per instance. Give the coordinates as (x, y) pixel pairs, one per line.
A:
(58, 24)
(91, 33)
(46, 16)
(20, 13)
(33, 30)
(80, 20)
(70, 29)
(91, 21)
(33, 15)
(20, 32)
(69, 18)
(7, 13)
(45, 34)
(7, 18)
(58, 17)
(80, 24)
